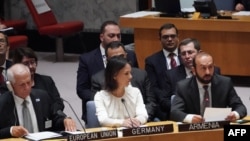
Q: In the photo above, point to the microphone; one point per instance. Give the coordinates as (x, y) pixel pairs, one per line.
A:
(75, 114)
(123, 101)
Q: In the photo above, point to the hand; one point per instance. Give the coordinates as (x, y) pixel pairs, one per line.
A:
(127, 123)
(239, 7)
(69, 125)
(197, 119)
(19, 131)
(231, 117)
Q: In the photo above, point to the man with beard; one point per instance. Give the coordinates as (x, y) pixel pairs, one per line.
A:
(188, 48)
(159, 62)
(188, 106)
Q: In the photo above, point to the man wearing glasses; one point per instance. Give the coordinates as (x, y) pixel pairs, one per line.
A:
(163, 60)
(188, 49)
(4, 64)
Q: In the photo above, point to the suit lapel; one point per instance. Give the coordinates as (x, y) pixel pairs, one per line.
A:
(99, 60)
(195, 95)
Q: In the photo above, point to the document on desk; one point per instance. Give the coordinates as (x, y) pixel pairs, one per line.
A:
(141, 14)
(241, 13)
(42, 135)
(216, 114)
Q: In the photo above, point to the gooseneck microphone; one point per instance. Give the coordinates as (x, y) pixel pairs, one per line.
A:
(123, 101)
(75, 114)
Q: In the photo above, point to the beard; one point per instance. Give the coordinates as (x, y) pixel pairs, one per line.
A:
(202, 80)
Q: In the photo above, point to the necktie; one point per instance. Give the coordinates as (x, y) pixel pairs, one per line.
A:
(27, 122)
(173, 63)
(206, 99)
(1, 75)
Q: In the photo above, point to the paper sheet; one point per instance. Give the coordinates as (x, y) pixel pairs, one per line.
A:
(41, 6)
(141, 14)
(242, 13)
(42, 135)
(216, 114)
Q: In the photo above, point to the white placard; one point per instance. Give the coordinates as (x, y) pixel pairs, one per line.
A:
(216, 114)
(41, 6)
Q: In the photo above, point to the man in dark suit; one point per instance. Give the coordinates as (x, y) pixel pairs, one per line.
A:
(27, 56)
(94, 61)
(139, 79)
(188, 49)
(12, 122)
(192, 98)
(159, 62)
(4, 63)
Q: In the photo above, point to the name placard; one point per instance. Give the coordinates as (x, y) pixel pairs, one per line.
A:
(148, 130)
(93, 135)
(202, 126)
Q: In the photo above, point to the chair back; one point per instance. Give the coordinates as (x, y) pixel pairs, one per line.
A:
(42, 19)
(92, 120)
(225, 4)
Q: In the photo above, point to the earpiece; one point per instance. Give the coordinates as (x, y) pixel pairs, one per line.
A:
(9, 86)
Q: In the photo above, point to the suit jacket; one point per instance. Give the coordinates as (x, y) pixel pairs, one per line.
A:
(168, 87)
(3, 87)
(41, 103)
(47, 83)
(155, 65)
(89, 64)
(187, 99)
(139, 80)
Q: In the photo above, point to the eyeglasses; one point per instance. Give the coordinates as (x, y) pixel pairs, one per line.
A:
(172, 36)
(189, 52)
(2, 41)
(28, 63)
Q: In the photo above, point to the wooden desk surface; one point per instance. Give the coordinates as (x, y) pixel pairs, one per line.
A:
(204, 135)
(227, 40)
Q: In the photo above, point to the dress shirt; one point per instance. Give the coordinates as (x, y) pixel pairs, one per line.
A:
(104, 58)
(188, 72)
(166, 54)
(4, 70)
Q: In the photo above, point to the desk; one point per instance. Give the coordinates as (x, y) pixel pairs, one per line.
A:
(227, 40)
(204, 135)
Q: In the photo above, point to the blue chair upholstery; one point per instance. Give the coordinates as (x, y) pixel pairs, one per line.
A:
(91, 115)
(225, 4)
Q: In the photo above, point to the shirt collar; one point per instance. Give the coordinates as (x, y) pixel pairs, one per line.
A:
(166, 53)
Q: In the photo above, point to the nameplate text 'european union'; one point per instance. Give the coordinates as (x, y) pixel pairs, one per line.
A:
(93, 135)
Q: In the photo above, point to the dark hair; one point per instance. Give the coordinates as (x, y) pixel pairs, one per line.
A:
(199, 55)
(103, 26)
(191, 40)
(114, 65)
(21, 52)
(168, 26)
(114, 45)
(5, 37)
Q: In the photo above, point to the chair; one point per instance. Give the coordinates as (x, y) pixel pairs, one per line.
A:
(92, 120)
(18, 25)
(225, 4)
(47, 25)
(15, 42)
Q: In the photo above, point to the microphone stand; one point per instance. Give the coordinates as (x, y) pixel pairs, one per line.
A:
(74, 114)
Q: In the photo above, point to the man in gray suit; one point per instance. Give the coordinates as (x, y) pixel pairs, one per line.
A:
(187, 105)
(139, 79)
